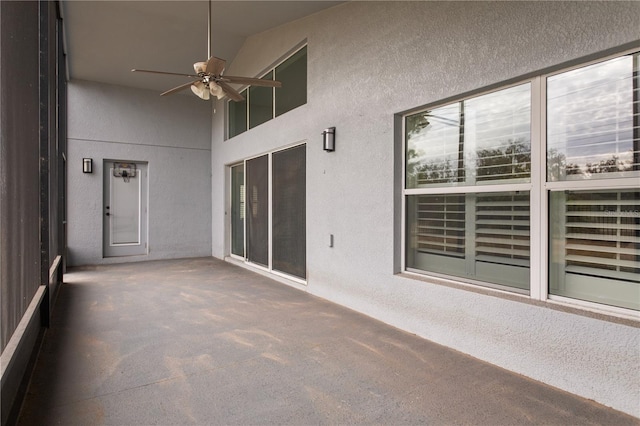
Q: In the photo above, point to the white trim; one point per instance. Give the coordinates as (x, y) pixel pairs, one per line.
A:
(469, 283)
(403, 229)
(289, 277)
(592, 62)
(270, 211)
(244, 222)
(536, 239)
(612, 183)
(543, 198)
(469, 189)
(463, 98)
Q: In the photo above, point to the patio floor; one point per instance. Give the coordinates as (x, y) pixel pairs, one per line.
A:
(201, 341)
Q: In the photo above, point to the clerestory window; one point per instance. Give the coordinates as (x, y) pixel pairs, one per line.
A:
(262, 104)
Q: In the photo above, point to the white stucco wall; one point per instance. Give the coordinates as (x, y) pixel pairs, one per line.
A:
(173, 135)
(370, 60)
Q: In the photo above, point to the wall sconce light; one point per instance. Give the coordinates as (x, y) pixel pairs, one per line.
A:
(87, 165)
(329, 139)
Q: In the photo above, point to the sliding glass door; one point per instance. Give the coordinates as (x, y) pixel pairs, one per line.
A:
(273, 202)
(289, 213)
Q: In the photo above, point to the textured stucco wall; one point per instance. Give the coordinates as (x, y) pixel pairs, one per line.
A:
(370, 60)
(173, 135)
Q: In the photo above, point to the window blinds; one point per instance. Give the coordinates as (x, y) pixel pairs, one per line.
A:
(502, 228)
(440, 227)
(602, 234)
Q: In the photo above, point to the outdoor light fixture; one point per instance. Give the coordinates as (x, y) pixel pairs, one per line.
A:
(87, 165)
(329, 139)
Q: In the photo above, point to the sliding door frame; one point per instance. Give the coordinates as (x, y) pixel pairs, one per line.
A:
(229, 222)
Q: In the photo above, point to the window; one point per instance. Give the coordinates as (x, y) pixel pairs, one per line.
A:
(261, 104)
(593, 149)
(275, 209)
(237, 210)
(292, 73)
(289, 243)
(470, 178)
(460, 159)
(258, 210)
(238, 116)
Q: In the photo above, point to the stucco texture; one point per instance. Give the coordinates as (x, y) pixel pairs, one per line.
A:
(172, 135)
(368, 61)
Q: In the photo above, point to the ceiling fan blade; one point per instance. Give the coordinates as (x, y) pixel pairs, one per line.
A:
(177, 89)
(167, 73)
(231, 92)
(215, 66)
(251, 81)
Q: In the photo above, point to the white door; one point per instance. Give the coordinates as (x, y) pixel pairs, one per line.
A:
(125, 209)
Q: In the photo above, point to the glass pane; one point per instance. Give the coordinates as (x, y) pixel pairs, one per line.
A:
(482, 237)
(502, 238)
(592, 121)
(435, 141)
(289, 211)
(486, 139)
(238, 116)
(595, 246)
(260, 103)
(237, 210)
(498, 135)
(292, 73)
(257, 198)
(125, 210)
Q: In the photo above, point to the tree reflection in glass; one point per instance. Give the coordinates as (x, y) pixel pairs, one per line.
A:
(482, 139)
(592, 121)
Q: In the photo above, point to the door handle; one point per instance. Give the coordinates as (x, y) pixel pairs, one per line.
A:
(108, 214)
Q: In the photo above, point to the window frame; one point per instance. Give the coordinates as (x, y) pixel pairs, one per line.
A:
(540, 188)
(246, 89)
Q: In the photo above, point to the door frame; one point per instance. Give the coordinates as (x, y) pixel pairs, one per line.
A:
(128, 249)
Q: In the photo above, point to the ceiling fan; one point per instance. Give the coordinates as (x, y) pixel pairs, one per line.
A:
(210, 79)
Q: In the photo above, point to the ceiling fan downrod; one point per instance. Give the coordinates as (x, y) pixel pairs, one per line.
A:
(209, 31)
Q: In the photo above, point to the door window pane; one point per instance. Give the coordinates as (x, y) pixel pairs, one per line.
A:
(260, 103)
(257, 199)
(591, 113)
(125, 210)
(289, 211)
(595, 246)
(238, 116)
(237, 210)
(292, 73)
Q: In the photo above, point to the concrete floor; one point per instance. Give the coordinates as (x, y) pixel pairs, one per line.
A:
(200, 341)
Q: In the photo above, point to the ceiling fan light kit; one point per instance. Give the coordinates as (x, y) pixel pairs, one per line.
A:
(200, 90)
(210, 79)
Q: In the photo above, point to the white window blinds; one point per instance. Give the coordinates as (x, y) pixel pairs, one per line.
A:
(602, 234)
(502, 228)
(440, 226)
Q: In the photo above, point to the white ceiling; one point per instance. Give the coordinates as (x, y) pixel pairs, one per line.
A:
(105, 39)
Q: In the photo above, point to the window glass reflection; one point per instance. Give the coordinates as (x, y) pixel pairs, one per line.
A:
(486, 139)
(590, 121)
